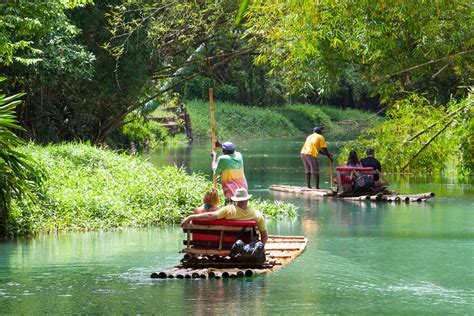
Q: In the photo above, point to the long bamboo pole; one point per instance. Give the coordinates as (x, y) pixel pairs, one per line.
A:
(330, 174)
(213, 131)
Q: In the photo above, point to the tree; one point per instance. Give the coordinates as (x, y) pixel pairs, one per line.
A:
(40, 55)
(396, 47)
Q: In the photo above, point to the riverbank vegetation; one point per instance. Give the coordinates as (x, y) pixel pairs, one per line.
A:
(238, 121)
(419, 137)
(88, 188)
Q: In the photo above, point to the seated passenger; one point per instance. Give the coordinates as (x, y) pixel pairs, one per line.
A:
(353, 160)
(240, 211)
(371, 161)
(211, 202)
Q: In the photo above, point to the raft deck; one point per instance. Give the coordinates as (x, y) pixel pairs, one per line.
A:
(386, 197)
(279, 251)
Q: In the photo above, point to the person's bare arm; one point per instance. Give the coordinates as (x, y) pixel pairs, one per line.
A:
(209, 216)
(326, 152)
(264, 236)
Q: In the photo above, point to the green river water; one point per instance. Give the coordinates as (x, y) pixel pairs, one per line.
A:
(362, 257)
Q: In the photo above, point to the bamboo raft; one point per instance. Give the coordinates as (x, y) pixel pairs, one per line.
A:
(387, 196)
(279, 251)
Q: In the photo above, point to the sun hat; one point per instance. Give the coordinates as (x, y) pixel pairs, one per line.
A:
(241, 194)
(228, 146)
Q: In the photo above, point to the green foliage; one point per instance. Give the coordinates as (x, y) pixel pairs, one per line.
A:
(421, 137)
(19, 176)
(273, 209)
(305, 117)
(89, 188)
(143, 131)
(29, 30)
(349, 123)
(278, 121)
(413, 46)
(233, 121)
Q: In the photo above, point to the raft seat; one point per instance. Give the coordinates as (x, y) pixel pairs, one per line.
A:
(217, 237)
(347, 175)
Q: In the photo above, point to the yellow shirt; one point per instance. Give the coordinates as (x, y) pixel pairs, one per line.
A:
(313, 144)
(235, 212)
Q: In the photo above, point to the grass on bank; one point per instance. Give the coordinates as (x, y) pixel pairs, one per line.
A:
(88, 188)
(238, 121)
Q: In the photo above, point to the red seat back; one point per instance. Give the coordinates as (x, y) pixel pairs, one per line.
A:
(347, 179)
(223, 222)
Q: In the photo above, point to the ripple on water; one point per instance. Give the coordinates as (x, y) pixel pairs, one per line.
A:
(427, 289)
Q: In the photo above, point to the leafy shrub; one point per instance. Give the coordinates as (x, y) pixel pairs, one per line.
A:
(273, 209)
(91, 188)
(142, 131)
(228, 93)
(420, 138)
(197, 87)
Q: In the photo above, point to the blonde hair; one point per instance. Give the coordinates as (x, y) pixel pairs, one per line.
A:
(211, 197)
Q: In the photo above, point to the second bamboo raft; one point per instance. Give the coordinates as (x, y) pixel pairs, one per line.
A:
(382, 196)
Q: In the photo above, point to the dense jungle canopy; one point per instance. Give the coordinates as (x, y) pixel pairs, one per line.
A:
(85, 65)
(88, 68)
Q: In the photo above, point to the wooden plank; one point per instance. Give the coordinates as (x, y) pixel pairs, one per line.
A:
(281, 255)
(205, 251)
(282, 248)
(285, 237)
(296, 241)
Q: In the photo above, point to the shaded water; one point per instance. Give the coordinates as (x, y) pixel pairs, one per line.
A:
(362, 258)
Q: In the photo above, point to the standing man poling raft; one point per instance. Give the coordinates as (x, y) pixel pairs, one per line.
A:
(314, 144)
(230, 168)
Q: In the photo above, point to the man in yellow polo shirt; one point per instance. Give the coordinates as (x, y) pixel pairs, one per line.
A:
(314, 144)
(240, 211)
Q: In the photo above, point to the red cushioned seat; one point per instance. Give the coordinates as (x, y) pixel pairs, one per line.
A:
(346, 179)
(216, 238)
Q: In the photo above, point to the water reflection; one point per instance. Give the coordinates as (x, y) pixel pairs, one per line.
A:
(225, 296)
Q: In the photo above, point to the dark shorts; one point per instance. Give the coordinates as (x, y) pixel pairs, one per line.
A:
(310, 164)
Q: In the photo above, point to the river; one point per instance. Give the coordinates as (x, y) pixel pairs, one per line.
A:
(362, 257)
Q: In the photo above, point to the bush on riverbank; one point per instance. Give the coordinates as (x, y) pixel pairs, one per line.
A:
(88, 188)
(422, 138)
(238, 121)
